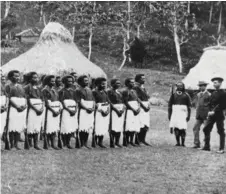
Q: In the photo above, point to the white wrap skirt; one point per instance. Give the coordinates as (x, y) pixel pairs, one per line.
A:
(101, 122)
(117, 123)
(69, 124)
(17, 120)
(178, 117)
(132, 121)
(144, 116)
(34, 122)
(3, 115)
(53, 123)
(86, 120)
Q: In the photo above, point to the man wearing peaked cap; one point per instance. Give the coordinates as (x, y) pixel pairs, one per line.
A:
(202, 109)
(216, 115)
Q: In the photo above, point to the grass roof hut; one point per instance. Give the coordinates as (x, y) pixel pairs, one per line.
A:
(211, 64)
(54, 53)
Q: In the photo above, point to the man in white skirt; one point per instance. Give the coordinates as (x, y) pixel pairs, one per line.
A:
(130, 98)
(102, 116)
(35, 109)
(144, 114)
(17, 108)
(86, 110)
(53, 110)
(117, 113)
(69, 117)
(179, 112)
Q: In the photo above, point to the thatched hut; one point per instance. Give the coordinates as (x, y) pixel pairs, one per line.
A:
(211, 64)
(54, 53)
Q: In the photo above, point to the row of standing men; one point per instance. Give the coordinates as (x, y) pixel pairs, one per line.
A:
(73, 110)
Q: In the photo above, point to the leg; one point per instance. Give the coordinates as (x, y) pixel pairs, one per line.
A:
(131, 138)
(221, 132)
(145, 130)
(68, 140)
(117, 139)
(16, 140)
(36, 141)
(11, 139)
(81, 137)
(86, 140)
(183, 135)
(112, 139)
(53, 141)
(207, 130)
(177, 136)
(196, 130)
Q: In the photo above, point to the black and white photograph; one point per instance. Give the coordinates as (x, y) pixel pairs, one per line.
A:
(113, 97)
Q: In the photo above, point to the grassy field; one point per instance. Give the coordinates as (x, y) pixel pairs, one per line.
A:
(160, 169)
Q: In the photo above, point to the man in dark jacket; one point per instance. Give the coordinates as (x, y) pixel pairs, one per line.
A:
(216, 115)
(202, 109)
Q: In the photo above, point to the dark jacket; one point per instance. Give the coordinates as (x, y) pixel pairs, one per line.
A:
(202, 106)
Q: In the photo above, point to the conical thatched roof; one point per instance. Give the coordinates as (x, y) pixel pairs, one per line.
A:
(54, 53)
(211, 64)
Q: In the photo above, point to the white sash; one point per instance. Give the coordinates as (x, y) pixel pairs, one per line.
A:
(178, 118)
(117, 122)
(3, 115)
(132, 121)
(34, 121)
(144, 116)
(69, 123)
(86, 120)
(17, 120)
(102, 123)
(53, 123)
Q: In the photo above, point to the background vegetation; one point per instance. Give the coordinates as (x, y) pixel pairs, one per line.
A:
(109, 27)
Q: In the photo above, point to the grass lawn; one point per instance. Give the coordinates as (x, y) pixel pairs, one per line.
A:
(161, 169)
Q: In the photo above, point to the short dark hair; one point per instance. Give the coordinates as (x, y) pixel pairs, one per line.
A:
(138, 77)
(11, 74)
(65, 78)
(113, 81)
(30, 75)
(99, 80)
(48, 78)
(127, 80)
(72, 73)
(81, 79)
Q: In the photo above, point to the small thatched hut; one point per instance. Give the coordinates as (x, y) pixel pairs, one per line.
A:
(212, 64)
(54, 53)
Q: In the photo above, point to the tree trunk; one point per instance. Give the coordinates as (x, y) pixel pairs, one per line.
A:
(73, 33)
(138, 30)
(41, 13)
(7, 8)
(90, 42)
(220, 20)
(188, 13)
(211, 12)
(177, 45)
(44, 19)
(129, 20)
(124, 54)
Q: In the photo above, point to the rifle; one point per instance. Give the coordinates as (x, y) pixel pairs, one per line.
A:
(45, 144)
(77, 144)
(7, 146)
(172, 92)
(112, 143)
(60, 144)
(26, 142)
(125, 143)
(93, 144)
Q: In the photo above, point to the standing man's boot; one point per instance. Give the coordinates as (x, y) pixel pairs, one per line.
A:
(137, 140)
(30, 136)
(144, 138)
(207, 143)
(86, 141)
(36, 141)
(112, 139)
(81, 137)
(222, 143)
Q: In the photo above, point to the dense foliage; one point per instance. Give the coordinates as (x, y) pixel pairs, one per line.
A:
(107, 24)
